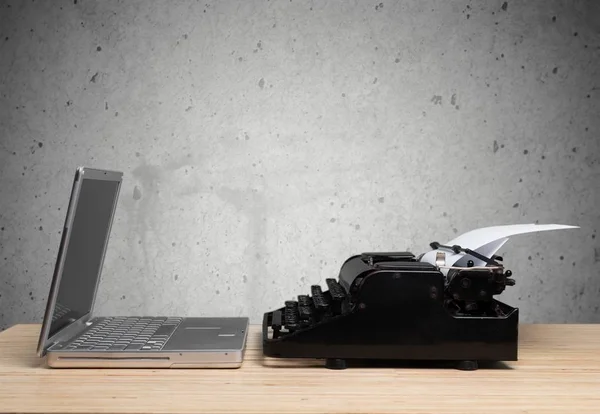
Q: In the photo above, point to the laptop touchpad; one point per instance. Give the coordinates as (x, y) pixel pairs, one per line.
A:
(204, 334)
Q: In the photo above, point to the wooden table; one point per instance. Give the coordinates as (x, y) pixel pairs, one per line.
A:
(558, 371)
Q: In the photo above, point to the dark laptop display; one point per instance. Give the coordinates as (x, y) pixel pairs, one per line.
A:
(84, 252)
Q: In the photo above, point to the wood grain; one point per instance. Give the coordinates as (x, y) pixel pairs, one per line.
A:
(558, 372)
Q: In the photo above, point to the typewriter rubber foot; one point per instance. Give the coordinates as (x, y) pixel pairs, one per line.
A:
(467, 365)
(335, 363)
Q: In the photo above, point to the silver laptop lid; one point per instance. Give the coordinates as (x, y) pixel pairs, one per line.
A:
(81, 253)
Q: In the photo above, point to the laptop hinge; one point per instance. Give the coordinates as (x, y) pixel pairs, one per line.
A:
(68, 332)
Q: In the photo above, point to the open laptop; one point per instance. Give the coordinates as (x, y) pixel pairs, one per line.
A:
(72, 336)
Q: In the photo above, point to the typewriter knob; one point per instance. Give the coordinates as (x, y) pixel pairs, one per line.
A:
(433, 292)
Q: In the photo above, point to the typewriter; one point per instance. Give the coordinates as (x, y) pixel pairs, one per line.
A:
(391, 306)
(397, 306)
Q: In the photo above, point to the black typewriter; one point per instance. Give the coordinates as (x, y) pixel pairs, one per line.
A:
(391, 306)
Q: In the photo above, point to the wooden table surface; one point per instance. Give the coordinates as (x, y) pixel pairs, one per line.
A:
(558, 371)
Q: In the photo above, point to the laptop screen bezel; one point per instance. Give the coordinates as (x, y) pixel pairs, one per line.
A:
(88, 174)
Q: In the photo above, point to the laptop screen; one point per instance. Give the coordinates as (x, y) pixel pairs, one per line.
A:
(84, 252)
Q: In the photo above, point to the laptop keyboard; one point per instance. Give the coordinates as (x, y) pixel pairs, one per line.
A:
(126, 334)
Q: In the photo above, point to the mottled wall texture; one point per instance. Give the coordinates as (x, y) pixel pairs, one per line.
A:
(264, 142)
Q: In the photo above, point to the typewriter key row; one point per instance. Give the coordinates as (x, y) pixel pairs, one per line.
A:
(310, 309)
(291, 314)
(320, 300)
(305, 308)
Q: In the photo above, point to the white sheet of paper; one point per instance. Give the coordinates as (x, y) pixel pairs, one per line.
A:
(486, 241)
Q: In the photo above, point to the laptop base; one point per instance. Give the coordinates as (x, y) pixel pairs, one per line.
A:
(119, 342)
(171, 360)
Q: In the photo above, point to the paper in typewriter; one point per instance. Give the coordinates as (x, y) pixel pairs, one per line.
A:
(486, 241)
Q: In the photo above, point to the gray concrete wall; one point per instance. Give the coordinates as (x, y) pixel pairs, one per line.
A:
(264, 142)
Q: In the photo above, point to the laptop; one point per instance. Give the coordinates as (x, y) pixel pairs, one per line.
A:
(72, 336)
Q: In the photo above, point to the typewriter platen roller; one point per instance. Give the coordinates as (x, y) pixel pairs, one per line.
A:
(391, 306)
